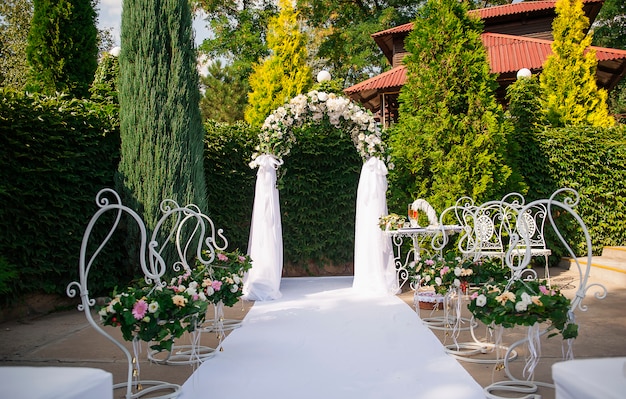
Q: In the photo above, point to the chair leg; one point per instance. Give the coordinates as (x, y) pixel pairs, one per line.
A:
(547, 273)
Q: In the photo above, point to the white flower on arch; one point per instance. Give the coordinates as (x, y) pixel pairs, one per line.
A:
(277, 137)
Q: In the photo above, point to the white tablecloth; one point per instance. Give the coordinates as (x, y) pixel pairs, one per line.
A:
(55, 383)
(603, 378)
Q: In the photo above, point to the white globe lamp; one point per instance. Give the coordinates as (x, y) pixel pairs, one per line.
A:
(524, 73)
(323, 76)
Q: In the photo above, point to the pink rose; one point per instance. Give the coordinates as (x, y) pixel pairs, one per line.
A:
(222, 257)
(217, 285)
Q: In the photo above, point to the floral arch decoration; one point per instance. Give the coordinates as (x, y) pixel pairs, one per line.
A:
(277, 133)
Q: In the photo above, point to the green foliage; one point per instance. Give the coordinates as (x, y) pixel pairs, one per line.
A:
(451, 139)
(593, 162)
(285, 73)
(161, 126)
(15, 16)
(609, 30)
(104, 86)
(318, 197)
(339, 28)
(222, 100)
(230, 181)
(569, 93)
(525, 114)
(55, 155)
(62, 46)
(240, 30)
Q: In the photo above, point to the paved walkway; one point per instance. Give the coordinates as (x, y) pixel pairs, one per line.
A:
(66, 339)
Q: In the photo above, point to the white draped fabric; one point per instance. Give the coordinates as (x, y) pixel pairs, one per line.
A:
(374, 268)
(265, 245)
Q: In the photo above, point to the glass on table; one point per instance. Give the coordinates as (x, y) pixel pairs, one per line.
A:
(413, 215)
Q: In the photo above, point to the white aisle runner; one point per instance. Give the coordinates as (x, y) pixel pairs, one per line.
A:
(322, 340)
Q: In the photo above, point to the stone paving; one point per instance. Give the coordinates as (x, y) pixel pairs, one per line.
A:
(66, 339)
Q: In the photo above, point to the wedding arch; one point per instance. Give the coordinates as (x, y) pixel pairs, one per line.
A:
(374, 271)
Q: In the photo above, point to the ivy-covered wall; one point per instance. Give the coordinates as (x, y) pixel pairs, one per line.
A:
(593, 162)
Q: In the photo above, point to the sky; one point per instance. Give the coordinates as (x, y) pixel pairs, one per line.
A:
(110, 16)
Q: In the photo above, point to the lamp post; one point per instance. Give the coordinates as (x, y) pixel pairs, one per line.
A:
(323, 76)
(524, 73)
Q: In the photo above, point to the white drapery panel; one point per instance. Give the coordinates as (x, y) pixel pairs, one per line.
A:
(265, 245)
(374, 268)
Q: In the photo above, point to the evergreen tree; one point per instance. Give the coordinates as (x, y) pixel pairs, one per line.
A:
(160, 123)
(451, 137)
(570, 95)
(285, 73)
(62, 46)
(222, 100)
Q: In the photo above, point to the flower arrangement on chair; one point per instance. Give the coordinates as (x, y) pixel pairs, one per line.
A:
(523, 303)
(222, 280)
(156, 313)
(162, 313)
(441, 273)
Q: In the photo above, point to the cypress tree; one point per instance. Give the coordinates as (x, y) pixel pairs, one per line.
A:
(285, 73)
(62, 46)
(570, 95)
(160, 123)
(451, 136)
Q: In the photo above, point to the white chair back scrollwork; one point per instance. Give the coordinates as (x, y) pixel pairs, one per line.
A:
(563, 202)
(194, 237)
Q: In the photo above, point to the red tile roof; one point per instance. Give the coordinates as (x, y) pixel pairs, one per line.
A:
(394, 77)
(506, 54)
(491, 12)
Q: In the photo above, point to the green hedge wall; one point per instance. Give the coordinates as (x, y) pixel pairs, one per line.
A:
(229, 179)
(56, 153)
(593, 162)
(318, 199)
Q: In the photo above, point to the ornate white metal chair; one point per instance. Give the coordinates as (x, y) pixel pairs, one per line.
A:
(194, 237)
(530, 226)
(564, 201)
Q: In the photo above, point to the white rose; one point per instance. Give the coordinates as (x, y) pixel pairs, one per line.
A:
(234, 288)
(481, 300)
(521, 306)
(526, 299)
(457, 282)
(427, 278)
(457, 271)
(438, 280)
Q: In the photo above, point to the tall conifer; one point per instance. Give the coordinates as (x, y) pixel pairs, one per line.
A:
(62, 46)
(160, 124)
(570, 95)
(285, 73)
(451, 137)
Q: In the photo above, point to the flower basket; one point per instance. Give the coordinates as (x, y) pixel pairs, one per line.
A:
(429, 300)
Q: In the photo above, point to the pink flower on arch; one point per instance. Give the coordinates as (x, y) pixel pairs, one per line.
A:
(139, 309)
(217, 285)
(222, 257)
(241, 258)
(445, 270)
